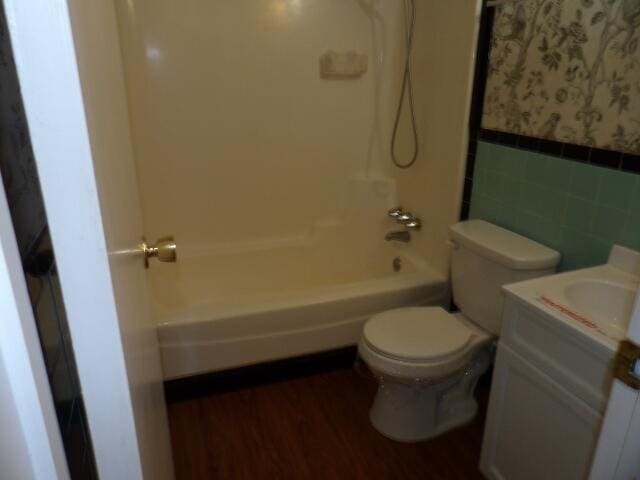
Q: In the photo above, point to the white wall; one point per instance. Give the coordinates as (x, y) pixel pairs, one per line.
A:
(238, 138)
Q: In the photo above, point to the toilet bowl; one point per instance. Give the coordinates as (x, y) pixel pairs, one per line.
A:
(428, 360)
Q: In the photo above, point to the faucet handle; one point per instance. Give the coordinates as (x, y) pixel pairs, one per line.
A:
(395, 212)
(414, 224)
(405, 218)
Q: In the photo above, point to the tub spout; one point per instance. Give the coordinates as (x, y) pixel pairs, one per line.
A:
(398, 236)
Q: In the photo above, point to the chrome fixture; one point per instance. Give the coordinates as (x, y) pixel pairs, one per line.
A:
(405, 218)
(398, 236)
(395, 212)
(414, 224)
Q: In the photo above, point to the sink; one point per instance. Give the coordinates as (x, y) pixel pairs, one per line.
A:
(597, 301)
(608, 303)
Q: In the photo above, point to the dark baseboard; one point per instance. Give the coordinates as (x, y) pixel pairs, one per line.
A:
(261, 374)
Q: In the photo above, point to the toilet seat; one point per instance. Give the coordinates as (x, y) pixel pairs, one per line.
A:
(417, 333)
(418, 342)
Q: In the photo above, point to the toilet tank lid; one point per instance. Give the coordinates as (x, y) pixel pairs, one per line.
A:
(503, 246)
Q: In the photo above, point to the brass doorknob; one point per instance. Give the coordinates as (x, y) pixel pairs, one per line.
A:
(165, 250)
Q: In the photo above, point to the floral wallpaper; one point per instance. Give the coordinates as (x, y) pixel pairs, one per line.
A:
(567, 70)
(17, 163)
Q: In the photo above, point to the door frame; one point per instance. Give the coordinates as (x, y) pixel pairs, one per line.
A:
(23, 361)
(50, 79)
(618, 448)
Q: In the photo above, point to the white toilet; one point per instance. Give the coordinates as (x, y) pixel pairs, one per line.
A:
(428, 360)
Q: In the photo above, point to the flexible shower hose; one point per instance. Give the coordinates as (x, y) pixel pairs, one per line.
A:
(407, 88)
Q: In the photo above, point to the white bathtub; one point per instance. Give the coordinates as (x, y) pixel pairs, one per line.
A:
(231, 309)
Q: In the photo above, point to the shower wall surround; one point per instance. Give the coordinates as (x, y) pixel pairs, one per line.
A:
(240, 143)
(444, 45)
(238, 139)
(567, 70)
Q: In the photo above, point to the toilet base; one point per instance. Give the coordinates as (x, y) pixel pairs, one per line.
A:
(412, 411)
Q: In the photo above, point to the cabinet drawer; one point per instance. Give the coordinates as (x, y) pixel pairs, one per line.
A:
(581, 366)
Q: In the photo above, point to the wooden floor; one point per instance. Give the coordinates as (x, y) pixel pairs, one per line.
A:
(314, 426)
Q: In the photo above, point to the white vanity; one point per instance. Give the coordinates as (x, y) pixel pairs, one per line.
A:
(554, 368)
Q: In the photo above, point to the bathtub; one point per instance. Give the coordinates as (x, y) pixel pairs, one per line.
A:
(229, 309)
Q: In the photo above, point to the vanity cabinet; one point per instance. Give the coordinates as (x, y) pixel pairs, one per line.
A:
(548, 396)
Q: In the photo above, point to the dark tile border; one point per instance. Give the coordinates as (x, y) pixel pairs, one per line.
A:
(260, 374)
(477, 99)
(631, 163)
(579, 153)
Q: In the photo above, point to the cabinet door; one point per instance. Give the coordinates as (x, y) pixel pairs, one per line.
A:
(535, 428)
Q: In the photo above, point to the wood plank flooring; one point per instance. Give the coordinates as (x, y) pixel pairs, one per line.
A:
(314, 426)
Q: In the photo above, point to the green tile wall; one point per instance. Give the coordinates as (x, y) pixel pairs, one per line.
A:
(578, 209)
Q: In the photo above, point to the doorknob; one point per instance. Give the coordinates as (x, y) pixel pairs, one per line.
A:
(165, 250)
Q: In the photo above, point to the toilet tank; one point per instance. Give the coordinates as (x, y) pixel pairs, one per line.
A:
(484, 258)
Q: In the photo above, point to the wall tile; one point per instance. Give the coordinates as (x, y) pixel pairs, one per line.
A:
(578, 209)
(585, 182)
(549, 231)
(583, 249)
(557, 174)
(635, 201)
(631, 234)
(515, 167)
(510, 190)
(486, 208)
(511, 218)
(492, 152)
(540, 201)
(579, 214)
(609, 223)
(478, 187)
(536, 168)
(617, 189)
(493, 182)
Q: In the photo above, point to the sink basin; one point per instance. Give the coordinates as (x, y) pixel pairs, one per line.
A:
(606, 302)
(596, 301)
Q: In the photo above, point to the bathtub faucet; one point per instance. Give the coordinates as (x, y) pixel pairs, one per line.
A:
(398, 236)
(405, 218)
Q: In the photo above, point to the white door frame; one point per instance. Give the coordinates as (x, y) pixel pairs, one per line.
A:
(46, 60)
(25, 370)
(618, 452)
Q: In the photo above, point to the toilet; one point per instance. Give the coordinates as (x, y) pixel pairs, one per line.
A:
(428, 360)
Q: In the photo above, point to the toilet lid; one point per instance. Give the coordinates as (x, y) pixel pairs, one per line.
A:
(417, 333)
